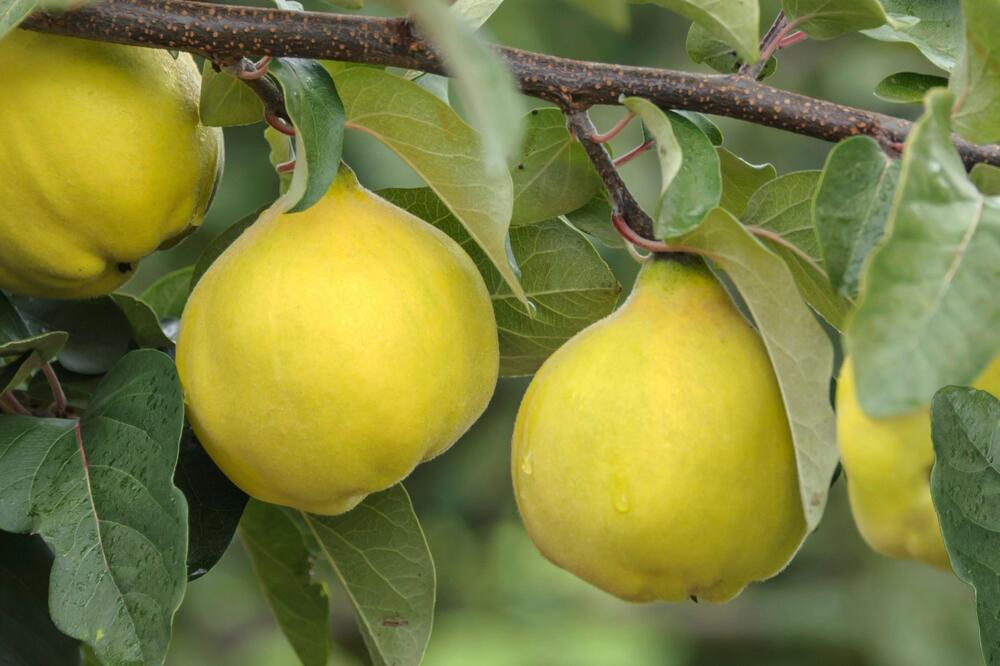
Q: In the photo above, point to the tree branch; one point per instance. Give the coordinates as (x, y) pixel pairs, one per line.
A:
(226, 33)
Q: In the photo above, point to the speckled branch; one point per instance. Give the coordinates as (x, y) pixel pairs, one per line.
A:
(226, 33)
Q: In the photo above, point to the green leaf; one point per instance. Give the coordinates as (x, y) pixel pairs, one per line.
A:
(800, 350)
(826, 19)
(705, 49)
(27, 635)
(563, 275)
(908, 87)
(146, 331)
(475, 12)
(283, 564)
(482, 81)
(986, 178)
(707, 127)
(215, 249)
(12, 12)
(594, 219)
(17, 370)
(734, 22)
(429, 136)
(780, 214)
(976, 78)
(933, 26)
(851, 207)
(691, 180)
(168, 295)
(379, 553)
(16, 338)
(317, 113)
(740, 180)
(99, 491)
(928, 312)
(99, 333)
(226, 101)
(554, 175)
(612, 13)
(215, 505)
(965, 425)
(346, 4)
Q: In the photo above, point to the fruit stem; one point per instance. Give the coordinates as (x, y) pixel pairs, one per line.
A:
(632, 154)
(626, 232)
(10, 405)
(58, 394)
(279, 123)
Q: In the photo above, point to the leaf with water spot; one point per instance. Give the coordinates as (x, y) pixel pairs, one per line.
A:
(100, 492)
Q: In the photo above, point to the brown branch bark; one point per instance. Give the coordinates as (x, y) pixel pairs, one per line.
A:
(226, 33)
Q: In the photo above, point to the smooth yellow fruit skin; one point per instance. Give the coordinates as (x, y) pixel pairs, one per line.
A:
(888, 464)
(326, 353)
(102, 160)
(652, 456)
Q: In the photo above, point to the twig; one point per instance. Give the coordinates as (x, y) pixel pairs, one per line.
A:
(772, 36)
(226, 33)
(614, 131)
(623, 203)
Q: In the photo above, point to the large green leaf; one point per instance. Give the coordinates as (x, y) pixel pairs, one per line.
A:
(800, 350)
(483, 83)
(283, 563)
(691, 178)
(734, 22)
(851, 206)
(928, 314)
(317, 113)
(780, 214)
(705, 49)
(379, 553)
(965, 424)
(933, 26)
(100, 492)
(976, 78)
(429, 136)
(826, 19)
(554, 175)
(740, 180)
(27, 635)
(571, 286)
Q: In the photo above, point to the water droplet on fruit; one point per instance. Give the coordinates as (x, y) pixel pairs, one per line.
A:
(526, 465)
(621, 503)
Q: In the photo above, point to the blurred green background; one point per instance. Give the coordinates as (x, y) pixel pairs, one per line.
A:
(499, 601)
